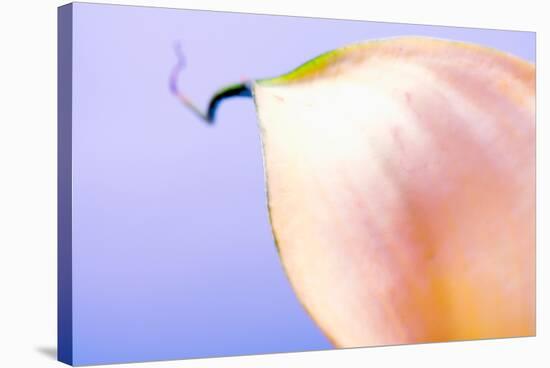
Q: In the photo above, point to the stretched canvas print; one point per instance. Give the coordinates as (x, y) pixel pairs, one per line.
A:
(235, 184)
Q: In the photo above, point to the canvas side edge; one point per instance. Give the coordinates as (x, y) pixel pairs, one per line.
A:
(64, 184)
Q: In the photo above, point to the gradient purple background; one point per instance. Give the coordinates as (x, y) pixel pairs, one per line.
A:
(173, 255)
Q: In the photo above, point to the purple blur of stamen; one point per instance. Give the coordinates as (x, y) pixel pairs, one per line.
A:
(177, 68)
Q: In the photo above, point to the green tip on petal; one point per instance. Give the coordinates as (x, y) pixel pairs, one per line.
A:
(313, 67)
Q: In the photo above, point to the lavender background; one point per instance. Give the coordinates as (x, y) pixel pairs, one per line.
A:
(173, 255)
